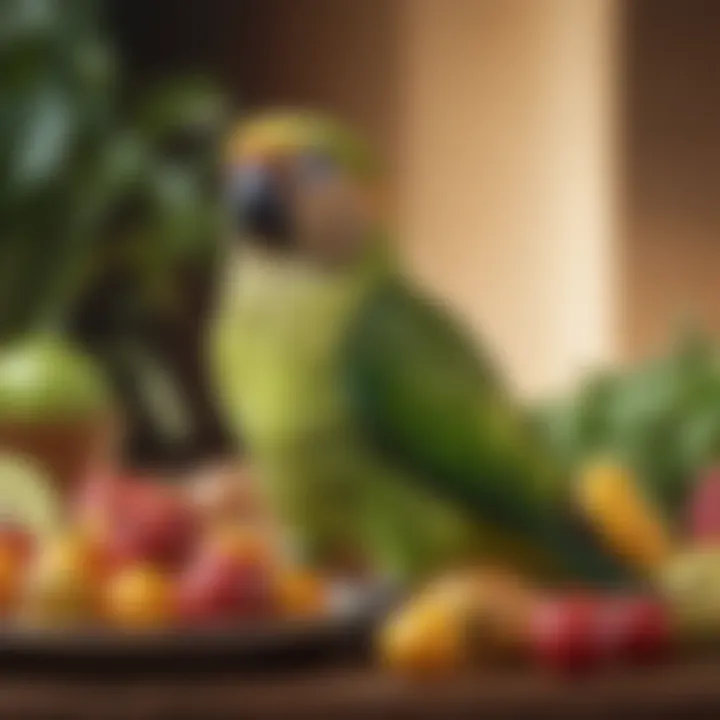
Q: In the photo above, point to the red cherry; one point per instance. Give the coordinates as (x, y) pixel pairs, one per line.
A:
(220, 588)
(152, 523)
(640, 629)
(564, 634)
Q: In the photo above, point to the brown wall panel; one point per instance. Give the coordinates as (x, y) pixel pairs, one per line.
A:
(672, 169)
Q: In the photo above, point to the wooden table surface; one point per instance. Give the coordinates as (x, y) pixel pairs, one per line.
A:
(691, 689)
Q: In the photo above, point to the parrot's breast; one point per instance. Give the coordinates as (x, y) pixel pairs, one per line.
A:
(277, 345)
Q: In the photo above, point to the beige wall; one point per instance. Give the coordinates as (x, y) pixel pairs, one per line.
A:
(496, 115)
(508, 181)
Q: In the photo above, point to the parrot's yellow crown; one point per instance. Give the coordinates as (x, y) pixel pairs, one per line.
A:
(282, 133)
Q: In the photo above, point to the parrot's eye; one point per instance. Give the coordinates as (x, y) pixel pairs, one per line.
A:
(248, 180)
(248, 185)
(257, 199)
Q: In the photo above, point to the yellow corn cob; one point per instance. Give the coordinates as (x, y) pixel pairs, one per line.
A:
(630, 526)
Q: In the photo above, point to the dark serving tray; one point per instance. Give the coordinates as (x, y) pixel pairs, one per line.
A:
(258, 645)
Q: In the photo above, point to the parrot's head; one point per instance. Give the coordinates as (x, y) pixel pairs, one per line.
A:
(302, 184)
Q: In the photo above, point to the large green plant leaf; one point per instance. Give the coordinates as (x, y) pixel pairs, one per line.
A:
(106, 203)
(661, 417)
(47, 128)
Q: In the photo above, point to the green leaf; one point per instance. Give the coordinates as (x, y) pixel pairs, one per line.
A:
(183, 105)
(89, 193)
(45, 142)
(24, 19)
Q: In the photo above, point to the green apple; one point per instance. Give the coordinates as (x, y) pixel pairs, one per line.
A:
(45, 378)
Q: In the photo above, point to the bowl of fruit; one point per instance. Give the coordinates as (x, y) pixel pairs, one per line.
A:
(157, 572)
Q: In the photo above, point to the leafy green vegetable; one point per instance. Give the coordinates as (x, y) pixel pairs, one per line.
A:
(106, 195)
(661, 417)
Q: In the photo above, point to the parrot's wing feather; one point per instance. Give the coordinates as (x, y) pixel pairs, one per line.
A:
(424, 396)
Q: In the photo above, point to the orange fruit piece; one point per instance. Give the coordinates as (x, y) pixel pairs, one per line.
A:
(64, 584)
(11, 575)
(140, 597)
(246, 543)
(424, 639)
(301, 593)
(613, 502)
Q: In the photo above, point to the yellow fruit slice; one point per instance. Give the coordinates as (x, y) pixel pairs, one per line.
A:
(28, 496)
(626, 521)
(140, 597)
(425, 638)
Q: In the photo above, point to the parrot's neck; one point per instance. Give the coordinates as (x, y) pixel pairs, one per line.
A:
(283, 325)
(288, 274)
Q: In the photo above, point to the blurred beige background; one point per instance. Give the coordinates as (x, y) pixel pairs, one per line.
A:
(553, 162)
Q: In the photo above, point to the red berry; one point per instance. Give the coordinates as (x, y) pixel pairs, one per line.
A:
(564, 634)
(638, 629)
(152, 524)
(220, 588)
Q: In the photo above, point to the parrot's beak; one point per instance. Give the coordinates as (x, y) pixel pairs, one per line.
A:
(260, 205)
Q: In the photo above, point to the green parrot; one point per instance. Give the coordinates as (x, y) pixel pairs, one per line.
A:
(387, 439)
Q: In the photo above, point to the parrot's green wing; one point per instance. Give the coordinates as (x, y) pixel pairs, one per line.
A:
(425, 395)
(427, 398)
